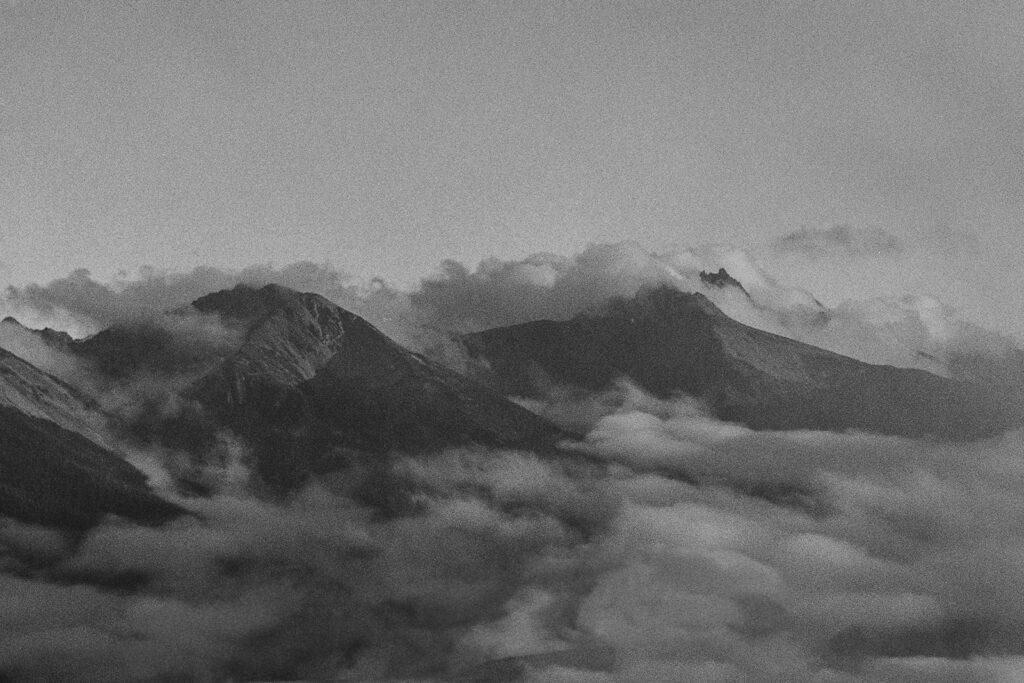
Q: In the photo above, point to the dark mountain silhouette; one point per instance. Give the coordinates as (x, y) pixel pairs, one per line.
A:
(310, 386)
(721, 279)
(53, 468)
(670, 342)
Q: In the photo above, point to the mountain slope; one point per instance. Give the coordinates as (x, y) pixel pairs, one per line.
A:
(310, 382)
(53, 469)
(669, 341)
(28, 389)
(53, 338)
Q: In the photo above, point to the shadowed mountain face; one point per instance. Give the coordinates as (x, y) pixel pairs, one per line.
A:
(672, 342)
(53, 469)
(54, 476)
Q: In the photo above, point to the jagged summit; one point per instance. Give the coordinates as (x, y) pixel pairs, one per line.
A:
(721, 279)
(669, 342)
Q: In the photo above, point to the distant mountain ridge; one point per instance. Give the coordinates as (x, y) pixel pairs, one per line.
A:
(674, 342)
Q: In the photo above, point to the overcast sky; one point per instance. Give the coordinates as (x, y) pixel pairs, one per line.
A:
(384, 137)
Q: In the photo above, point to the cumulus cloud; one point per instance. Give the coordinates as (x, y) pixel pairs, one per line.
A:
(318, 587)
(907, 331)
(82, 305)
(898, 575)
(174, 344)
(839, 241)
(545, 286)
(510, 566)
(93, 305)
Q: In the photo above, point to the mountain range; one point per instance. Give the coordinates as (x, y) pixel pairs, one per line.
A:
(310, 388)
(671, 342)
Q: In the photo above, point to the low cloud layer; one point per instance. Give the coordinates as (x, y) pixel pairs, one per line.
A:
(901, 562)
(839, 241)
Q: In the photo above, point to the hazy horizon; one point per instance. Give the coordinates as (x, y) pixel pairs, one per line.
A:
(384, 139)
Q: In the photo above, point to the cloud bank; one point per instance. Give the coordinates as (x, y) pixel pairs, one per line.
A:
(902, 562)
(907, 331)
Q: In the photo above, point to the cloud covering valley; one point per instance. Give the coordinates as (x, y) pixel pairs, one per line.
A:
(680, 548)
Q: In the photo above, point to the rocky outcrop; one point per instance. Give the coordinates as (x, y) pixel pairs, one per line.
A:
(721, 279)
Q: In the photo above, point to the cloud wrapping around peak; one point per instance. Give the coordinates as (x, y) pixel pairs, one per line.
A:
(82, 305)
(906, 331)
(152, 292)
(546, 286)
(839, 241)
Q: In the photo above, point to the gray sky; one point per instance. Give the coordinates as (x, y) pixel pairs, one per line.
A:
(384, 137)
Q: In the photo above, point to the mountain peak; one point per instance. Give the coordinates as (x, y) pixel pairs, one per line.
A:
(247, 302)
(672, 342)
(311, 379)
(721, 279)
(288, 337)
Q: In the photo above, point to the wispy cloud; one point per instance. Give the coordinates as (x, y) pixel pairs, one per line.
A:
(839, 241)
